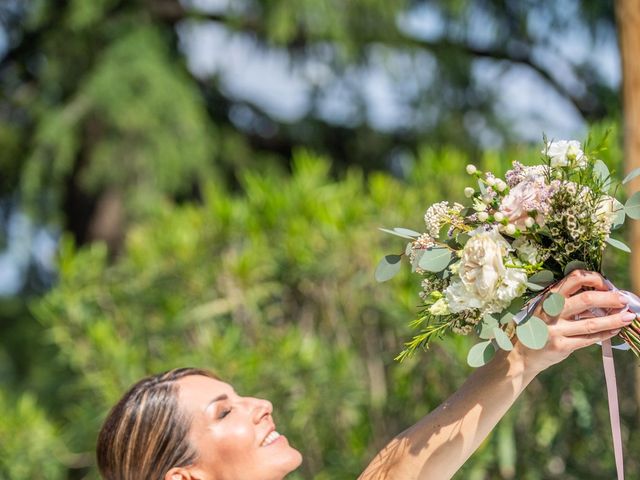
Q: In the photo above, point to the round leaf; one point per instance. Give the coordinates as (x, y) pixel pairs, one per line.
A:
(631, 175)
(533, 333)
(534, 287)
(388, 267)
(396, 233)
(462, 238)
(417, 256)
(435, 259)
(618, 244)
(602, 171)
(480, 354)
(406, 231)
(553, 304)
(542, 278)
(507, 317)
(502, 339)
(574, 265)
(486, 327)
(618, 219)
(632, 206)
(443, 234)
(516, 305)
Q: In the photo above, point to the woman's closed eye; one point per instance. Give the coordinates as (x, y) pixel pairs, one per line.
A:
(223, 413)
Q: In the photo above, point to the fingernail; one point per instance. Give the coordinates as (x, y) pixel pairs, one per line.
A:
(623, 298)
(628, 317)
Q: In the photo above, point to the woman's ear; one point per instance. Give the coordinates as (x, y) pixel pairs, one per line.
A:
(178, 474)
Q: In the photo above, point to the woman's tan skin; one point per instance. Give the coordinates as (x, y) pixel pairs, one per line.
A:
(233, 435)
(439, 444)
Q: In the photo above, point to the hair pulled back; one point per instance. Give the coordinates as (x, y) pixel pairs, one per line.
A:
(146, 432)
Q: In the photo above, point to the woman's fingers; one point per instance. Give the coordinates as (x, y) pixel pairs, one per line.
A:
(579, 279)
(581, 341)
(592, 299)
(591, 325)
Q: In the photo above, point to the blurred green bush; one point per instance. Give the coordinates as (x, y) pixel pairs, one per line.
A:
(273, 289)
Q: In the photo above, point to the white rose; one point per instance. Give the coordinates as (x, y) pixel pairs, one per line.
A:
(513, 286)
(564, 153)
(481, 265)
(459, 298)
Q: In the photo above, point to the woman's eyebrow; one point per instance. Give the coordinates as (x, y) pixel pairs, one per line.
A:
(220, 397)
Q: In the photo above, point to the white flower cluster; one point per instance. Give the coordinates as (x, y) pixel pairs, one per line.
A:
(483, 281)
(440, 214)
(565, 153)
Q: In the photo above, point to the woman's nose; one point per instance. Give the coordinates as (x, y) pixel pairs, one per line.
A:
(261, 408)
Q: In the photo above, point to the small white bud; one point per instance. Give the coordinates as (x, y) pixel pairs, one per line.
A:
(468, 192)
(501, 186)
(529, 222)
(491, 181)
(483, 216)
(471, 169)
(498, 216)
(510, 229)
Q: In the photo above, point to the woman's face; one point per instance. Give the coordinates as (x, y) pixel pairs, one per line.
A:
(235, 436)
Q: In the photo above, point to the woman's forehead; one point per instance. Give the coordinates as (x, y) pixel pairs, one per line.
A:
(196, 389)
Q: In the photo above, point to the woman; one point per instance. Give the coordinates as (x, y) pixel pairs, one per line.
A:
(187, 424)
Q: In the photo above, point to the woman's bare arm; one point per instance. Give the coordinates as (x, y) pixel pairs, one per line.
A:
(439, 444)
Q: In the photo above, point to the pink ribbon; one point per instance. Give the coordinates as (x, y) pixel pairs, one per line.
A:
(614, 413)
(612, 388)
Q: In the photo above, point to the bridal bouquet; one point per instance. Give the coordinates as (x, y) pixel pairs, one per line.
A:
(487, 264)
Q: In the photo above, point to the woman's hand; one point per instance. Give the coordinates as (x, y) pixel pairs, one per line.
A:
(577, 326)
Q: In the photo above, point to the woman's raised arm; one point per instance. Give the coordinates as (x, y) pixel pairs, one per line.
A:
(439, 444)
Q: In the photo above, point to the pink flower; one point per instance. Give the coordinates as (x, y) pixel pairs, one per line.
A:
(529, 196)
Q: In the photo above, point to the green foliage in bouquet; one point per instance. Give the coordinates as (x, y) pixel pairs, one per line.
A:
(486, 265)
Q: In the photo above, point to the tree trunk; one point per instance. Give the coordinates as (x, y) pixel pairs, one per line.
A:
(628, 19)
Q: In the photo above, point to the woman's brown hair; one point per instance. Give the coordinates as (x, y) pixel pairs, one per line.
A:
(146, 433)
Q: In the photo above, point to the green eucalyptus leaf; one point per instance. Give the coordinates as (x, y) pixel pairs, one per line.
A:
(618, 219)
(553, 304)
(481, 354)
(506, 317)
(542, 278)
(618, 244)
(435, 259)
(534, 287)
(462, 238)
(443, 234)
(398, 234)
(407, 231)
(602, 171)
(417, 256)
(388, 267)
(574, 265)
(486, 326)
(631, 175)
(632, 206)
(502, 339)
(516, 305)
(533, 333)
